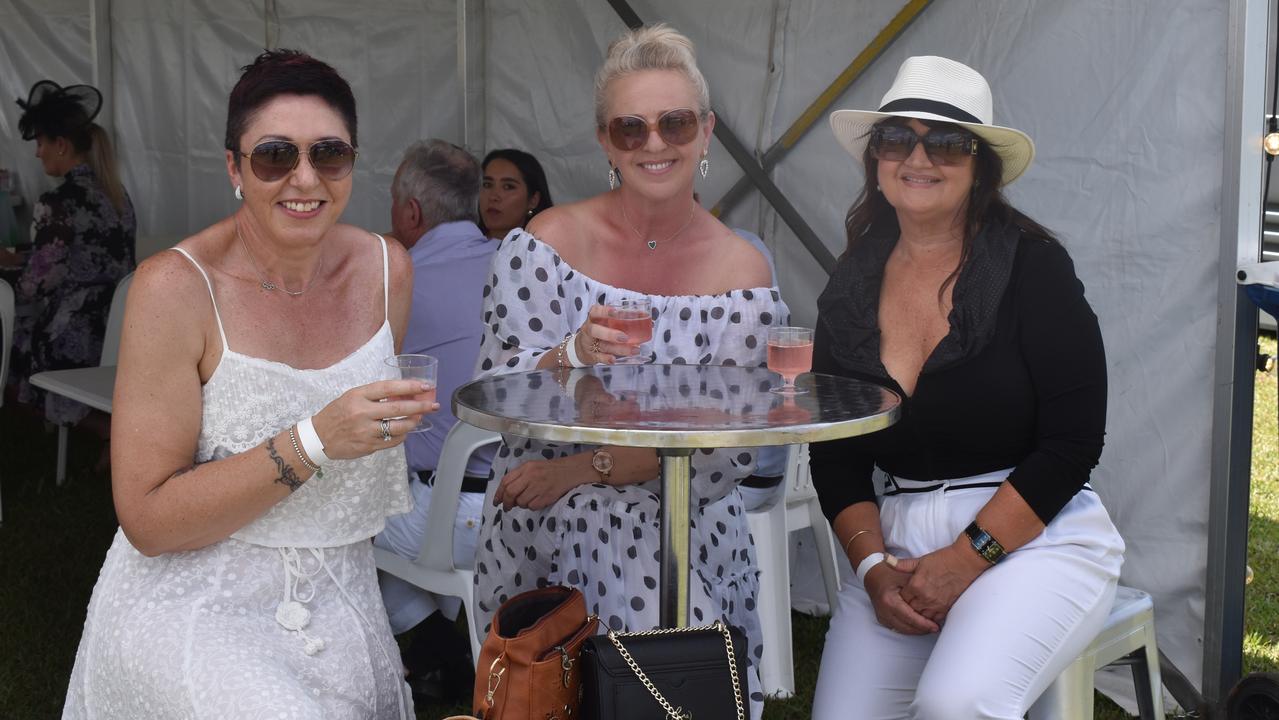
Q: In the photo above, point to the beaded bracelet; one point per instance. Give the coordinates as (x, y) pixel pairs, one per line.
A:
(293, 437)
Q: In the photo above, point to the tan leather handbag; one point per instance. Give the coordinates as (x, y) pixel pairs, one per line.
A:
(528, 667)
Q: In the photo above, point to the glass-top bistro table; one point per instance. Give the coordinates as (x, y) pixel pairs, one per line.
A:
(676, 409)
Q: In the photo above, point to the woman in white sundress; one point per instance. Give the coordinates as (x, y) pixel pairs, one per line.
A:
(252, 459)
(588, 516)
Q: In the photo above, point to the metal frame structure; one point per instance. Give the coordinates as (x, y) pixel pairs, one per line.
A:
(1248, 50)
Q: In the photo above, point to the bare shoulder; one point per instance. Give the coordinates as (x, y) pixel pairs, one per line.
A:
(169, 276)
(566, 227)
(746, 260)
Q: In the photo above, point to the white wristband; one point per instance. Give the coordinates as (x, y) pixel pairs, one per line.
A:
(570, 349)
(867, 563)
(311, 442)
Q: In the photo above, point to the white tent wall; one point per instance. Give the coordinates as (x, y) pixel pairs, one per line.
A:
(1125, 102)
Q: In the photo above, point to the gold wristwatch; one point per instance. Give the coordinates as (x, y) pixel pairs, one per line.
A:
(602, 461)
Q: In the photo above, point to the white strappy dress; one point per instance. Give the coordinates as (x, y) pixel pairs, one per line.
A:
(284, 618)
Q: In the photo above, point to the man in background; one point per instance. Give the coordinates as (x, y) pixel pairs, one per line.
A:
(434, 201)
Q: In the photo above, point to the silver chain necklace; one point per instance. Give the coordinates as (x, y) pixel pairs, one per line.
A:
(652, 244)
(267, 284)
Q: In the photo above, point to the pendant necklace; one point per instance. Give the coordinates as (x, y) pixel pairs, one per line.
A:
(267, 284)
(652, 244)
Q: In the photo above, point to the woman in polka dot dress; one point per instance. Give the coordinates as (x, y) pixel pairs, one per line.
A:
(558, 519)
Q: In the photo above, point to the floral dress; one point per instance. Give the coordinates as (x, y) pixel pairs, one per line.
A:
(83, 246)
(605, 539)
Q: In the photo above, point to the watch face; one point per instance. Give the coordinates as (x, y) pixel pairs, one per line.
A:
(602, 461)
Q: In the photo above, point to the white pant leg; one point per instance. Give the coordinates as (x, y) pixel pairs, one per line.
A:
(868, 672)
(1006, 638)
(406, 604)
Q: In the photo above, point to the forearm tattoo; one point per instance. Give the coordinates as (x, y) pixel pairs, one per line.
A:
(288, 477)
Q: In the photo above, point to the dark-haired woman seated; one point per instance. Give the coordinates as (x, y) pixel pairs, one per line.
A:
(257, 442)
(972, 312)
(512, 192)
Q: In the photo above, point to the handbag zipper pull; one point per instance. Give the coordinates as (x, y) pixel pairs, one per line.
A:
(566, 663)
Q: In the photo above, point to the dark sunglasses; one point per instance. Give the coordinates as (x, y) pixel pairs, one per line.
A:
(274, 159)
(630, 132)
(895, 143)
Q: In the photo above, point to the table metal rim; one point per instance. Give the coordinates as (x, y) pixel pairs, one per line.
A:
(674, 438)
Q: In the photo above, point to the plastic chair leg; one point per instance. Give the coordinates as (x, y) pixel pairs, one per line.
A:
(825, 543)
(1069, 696)
(776, 670)
(1152, 687)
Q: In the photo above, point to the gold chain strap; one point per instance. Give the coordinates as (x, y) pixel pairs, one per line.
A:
(674, 713)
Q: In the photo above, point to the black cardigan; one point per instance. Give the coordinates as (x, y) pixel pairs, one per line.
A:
(1031, 397)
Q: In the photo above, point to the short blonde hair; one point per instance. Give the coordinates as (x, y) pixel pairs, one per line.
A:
(652, 47)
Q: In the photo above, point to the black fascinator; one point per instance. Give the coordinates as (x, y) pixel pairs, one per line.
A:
(57, 111)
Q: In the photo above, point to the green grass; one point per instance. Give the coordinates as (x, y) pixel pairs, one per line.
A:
(1261, 614)
(53, 541)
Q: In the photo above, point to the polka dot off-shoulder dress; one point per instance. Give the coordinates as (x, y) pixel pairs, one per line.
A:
(604, 539)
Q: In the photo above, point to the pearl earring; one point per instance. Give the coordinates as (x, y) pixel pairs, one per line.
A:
(530, 212)
(239, 193)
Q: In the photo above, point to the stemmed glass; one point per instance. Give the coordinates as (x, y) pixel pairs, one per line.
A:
(790, 352)
(417, 367)
(634, 317)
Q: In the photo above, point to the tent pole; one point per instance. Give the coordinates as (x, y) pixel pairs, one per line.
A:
(471, 39)
(822, 103)
(746, 160)
(1236, 347)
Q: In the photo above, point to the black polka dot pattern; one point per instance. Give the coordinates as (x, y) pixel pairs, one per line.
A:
(603, 539)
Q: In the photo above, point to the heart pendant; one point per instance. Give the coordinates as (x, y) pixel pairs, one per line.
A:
(652, 244)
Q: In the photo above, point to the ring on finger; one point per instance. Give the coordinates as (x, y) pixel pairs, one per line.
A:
(595, 346)
(386, 429)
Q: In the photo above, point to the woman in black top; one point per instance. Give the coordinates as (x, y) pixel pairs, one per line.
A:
(973, 313)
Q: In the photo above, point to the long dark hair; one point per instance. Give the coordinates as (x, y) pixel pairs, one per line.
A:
(531, 169)
(985, 205)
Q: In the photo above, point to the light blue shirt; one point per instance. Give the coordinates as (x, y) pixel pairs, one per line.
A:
(450, 264)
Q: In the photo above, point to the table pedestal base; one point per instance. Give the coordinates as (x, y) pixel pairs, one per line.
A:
(676, 486)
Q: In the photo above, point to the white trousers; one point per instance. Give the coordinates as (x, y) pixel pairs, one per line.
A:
(1005, 639)
(407, 604)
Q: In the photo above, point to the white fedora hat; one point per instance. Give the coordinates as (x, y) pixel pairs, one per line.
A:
(935, 88)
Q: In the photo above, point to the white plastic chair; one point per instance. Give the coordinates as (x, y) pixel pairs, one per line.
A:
(8, 313)
(771, 527)
(433, 569)
(81, 383)
(1128, 637)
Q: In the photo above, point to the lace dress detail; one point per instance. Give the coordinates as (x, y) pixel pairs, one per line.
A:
(605, 539)
(284, 619)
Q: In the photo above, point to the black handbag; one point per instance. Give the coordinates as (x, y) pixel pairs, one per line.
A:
(676, 673)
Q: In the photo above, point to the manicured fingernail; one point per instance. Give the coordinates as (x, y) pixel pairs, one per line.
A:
(891, 559)
(426, 386)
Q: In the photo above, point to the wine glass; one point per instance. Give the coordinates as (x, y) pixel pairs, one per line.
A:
(417, 367)
(635, 318)
(790, 352)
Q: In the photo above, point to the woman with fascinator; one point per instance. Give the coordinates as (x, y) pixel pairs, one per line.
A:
(985, 562)
(83, 233)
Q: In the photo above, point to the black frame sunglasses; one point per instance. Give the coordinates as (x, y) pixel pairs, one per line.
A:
(944, 146)
(273, 160)
(676, 127)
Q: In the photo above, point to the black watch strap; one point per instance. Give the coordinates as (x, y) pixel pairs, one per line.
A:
(984, 543)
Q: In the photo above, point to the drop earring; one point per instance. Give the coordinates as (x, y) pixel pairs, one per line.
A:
(612, 178)
(704, 166)
(239, 193)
